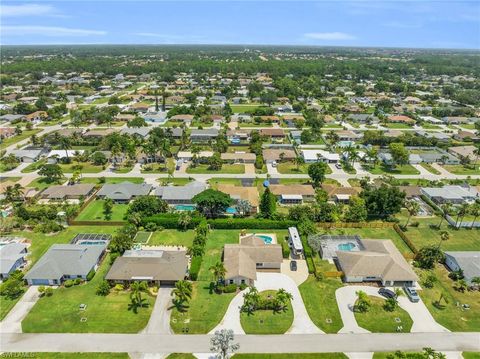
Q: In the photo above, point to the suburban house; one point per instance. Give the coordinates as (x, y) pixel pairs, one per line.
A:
(362, 118)
(188, 156)
(65, 261)
(293, 194)
(12, 257)
(454, 120)
(463, 151)
(368, 260)
(29, 154)
(434, 155)
(187, 119)
(238, 157)
(10, 118)
(466, 136)
(55, 155)
(6, 132)
(249, 194)
(271, 155)
(451, 194)
(237, 136)
(242, 261)
(312, 156)
(154, 266)
(36, 116)
(204, 135)
(141, 132)
(387, 158)
(273, 133)
(76, 191)
(99, 133)
(401, 119)
(124, 192)
(180, 194)
(340, 194)
(468, 262)
(347, 135)
(439, 136)
(411, 191)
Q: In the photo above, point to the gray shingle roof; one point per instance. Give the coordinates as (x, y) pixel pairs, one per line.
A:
(9, 254)
(124, 190)
(186, 192)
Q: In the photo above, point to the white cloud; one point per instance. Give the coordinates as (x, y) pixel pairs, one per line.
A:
(27, 10)
(55, 31)
(329, 36)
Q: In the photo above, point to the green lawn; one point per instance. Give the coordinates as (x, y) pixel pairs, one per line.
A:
(32, 167)
(451, 316)
(83, 167)
(171, 237)
(288, 167)
(111, 180)
(66, 355)
(214, 182)
(60, 314)
(292, 356)
(226, 168)
(398, 125)
(17, 138)
(429, 168)
(142, 237)
(174, 181)
(94, 212)
(11, 179)
(267, 321)
(244, 108)
(398, 170)
(320, 302)
(41, 183)
(378, 320)
(181, 356)
(373, 233)
(7, 304)
(461, 170)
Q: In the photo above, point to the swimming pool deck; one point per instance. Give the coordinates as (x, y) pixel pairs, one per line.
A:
(271, 235)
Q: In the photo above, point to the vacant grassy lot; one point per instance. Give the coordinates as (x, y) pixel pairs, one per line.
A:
(42, 183)
(461, 170)
(111, 180)
(60, 314)
(451, 316)
(230, 169)
(398, 170)
(94, 212)
(288, 167)
(171, 237)
(267, 321)
(83, 167)
(429, 168)
(378, 320)
(174, 181)
(244, 108)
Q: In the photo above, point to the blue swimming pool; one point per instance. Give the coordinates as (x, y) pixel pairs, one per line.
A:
(184, 207)
(346, 246)
(231, 210)
(266, 239)
(92, 243)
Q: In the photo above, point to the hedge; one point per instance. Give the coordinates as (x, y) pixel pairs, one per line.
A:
(195, 267)
(404, 237)
(285, 249)
(170, 221)
(307, 251)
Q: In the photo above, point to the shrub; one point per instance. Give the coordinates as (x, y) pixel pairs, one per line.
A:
(429, 281)
(195, 267)
(77, 281)
(90, 275)
(113, 256)
(243, 286)
(119, 287)
(49, 291)
(151, 227)
(285, 249)
(41, 290)
(103, 288)
(68, 283)
(230, 288)
(390, 305)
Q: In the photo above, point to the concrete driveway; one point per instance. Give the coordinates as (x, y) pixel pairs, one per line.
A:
(300, 275)
(271, 281)
(159, 322)
(12, 323)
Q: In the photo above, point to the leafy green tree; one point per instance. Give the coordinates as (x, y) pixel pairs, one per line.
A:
(147, 206)
(137, 122)
(356, 212)
(215, 162)
(317, 172)
(429, 255)
(99, 158)
(103, 288)
(268, 204)
(212, 203)
(399, 153)
(382, 202)
(52, 172)
(107, 208)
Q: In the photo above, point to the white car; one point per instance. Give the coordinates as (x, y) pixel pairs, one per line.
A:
(274, 164)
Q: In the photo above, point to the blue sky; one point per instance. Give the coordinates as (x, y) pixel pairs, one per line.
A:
(415, 23)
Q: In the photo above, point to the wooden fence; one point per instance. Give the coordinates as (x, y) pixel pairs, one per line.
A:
(332, 225)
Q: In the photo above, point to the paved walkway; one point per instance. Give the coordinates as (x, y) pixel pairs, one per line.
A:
(12, 323)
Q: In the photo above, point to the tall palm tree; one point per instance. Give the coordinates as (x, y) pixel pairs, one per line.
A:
(462, 212)
(65, 144)
(413, 208)
(218, 270)
(444, 236)
(475, 212)
(14, 193)
(446, 210)
(136, 290)
(182, 291)
(282, 297)
(298, 160)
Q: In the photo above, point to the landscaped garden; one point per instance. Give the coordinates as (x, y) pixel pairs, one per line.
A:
(95, 211)
(60, 313)
(379, 320)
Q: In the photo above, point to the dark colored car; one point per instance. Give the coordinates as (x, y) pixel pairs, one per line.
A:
(387, 293)
(293, 265)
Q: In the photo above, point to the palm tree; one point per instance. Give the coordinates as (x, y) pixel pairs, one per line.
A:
(462, 211)
(65, 144)
(136, 290)
(14, 193)
(218, 270)
(282, 297)
(250, 300)
(413, 208)
(298, 160)
(444, 236)
(182, 293)
(372, 154)
(475, 212)
(446, 210)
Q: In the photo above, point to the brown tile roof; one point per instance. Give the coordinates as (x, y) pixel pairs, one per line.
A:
(271, 154)
(277, 132)
(300, 189)
(247, 193)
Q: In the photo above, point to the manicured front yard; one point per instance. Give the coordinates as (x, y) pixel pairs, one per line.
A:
(42, 183)
(94, 212)
(398, 170)
(111, 180)
(430, 168)
(60, 313)
(378, 320)
(451, 314)
(288, 167)
(226, 168)
(267, 321)
(32, 167)
(461, 170)
(83, 167)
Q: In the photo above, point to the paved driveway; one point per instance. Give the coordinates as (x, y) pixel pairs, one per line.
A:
(159, 322)
(271, 281)
(12, 323)
(300, 275)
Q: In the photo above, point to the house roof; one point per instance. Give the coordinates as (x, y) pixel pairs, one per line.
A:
(140, 131)
(124, 190)
(66, 259)
(60, 192)
(272, 132)
(149, 265)
(312, 155)
(292, 189)
(238, 156)
(9, 254)
(273, 154)
(186, 192)
(466, 151)
(333, 190)
(210, 132)
(469, 262)
(451, 192)
(379, 259)
(249, 194)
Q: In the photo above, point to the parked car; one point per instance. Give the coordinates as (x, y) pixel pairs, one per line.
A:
(274, 164)
(338, 165)
(412, 294)
(387, 293)
(293, 266)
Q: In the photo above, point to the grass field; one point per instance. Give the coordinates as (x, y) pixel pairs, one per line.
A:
(243, 108)
(42, 183)
(230, 169)
(171, 237)
(267, 321)
(83, 167)
(398, 126)
(450, 315)
(429, 168)
(378, 320)
(17, 138)
(60, 314)
(142, 237)
(7, 304)
(174, 181)
(94, 212)
(66, 355)
(461, 170)
(288, 167)
(111, 180)
(398, 170)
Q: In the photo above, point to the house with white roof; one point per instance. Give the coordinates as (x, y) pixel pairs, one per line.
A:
(312, 156)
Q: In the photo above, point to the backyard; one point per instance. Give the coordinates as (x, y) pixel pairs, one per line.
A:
(60, 313)
(378, 320)
(267, 321)
(94, 212)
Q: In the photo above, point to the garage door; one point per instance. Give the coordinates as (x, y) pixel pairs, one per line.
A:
(40, 281)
